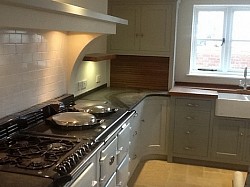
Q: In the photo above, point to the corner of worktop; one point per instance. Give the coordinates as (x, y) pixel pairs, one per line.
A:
(187, 91)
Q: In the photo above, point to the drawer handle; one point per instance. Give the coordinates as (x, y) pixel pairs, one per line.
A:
(134, 156)
(112, 159)
(189, 118)
(188, 132)
(192, 105)
(135, 133)
(188, 148)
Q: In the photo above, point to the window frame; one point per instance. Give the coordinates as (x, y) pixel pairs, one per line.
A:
(225, 60)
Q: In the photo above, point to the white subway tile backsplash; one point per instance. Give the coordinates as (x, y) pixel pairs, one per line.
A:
(32, 68)
(9, 49)
(15, 38)
(4, 38)
(27, 57)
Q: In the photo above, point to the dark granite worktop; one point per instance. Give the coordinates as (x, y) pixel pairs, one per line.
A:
(122, 97)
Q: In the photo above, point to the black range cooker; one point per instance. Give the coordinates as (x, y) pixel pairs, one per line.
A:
(36, 151)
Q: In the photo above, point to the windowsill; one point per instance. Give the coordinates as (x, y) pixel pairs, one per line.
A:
(215, 75)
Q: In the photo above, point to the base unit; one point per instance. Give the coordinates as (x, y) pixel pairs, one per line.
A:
(227, 139)
(191, 140)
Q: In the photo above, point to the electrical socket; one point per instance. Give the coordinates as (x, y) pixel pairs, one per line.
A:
(81, 85)
(84, 84)
(98, 78)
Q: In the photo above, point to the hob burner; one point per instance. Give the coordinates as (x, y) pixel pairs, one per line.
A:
(32, 153)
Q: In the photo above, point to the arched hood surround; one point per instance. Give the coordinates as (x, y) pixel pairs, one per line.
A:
(78, 46)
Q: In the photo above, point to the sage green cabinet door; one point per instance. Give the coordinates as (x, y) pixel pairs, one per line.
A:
(154, 125)
(247, 145)
(126, 38)
(148, 32)
(135, 148)
(228, 136)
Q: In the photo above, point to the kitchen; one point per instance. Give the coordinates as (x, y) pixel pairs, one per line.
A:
(43, 60)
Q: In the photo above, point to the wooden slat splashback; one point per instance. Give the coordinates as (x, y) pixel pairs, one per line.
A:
(139, 72)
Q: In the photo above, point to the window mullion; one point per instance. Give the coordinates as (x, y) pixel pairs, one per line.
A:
(228, 35)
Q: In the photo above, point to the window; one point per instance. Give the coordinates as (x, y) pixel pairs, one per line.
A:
(220, 39)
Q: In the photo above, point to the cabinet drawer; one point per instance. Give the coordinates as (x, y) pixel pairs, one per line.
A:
(192, 118)
(193, 104)
(191, 140)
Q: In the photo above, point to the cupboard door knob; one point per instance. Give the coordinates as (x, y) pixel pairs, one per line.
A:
(187, 148)
(188, 132)
(241, 133)
(135, 133)
(189, 118)
(192, 105)
(112, 159)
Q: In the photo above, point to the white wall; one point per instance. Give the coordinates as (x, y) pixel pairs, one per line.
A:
(87, 70)
(183, 45)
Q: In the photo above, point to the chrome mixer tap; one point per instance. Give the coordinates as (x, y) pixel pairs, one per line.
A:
(244, 85)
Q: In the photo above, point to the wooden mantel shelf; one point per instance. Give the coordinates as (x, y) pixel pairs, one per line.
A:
(98, 57)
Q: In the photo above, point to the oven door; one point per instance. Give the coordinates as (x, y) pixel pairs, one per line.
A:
(122, 173)
(108, 162)
(87, 178)
(123, 142)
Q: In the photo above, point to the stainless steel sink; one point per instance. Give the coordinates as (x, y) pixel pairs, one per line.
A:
(233, 105)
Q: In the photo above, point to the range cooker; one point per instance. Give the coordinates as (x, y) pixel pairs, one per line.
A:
(35, 151)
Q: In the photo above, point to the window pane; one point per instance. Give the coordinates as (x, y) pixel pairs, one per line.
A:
(208, 55)
(241, 25)
(240, 55)
(210, 25)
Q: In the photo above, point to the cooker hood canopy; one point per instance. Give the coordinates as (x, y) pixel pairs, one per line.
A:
(53, 15)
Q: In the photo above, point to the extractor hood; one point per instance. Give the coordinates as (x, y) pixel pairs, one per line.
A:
(53, 15)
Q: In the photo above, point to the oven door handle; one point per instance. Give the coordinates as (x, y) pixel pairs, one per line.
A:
(60, 181)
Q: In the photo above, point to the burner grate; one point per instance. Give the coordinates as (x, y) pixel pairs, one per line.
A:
(33, 153)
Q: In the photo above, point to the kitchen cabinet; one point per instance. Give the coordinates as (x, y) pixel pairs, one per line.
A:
(246, 156)
(149, 31)
(228, 139)
(135, 151)
(154, 125)
(191, 120)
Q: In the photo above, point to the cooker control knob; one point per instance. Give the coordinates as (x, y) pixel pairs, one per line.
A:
(79, 154)
(67, 165)
(61, 170)
(87, 147)
(84, 150)
(72, 160)
(76, 157)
